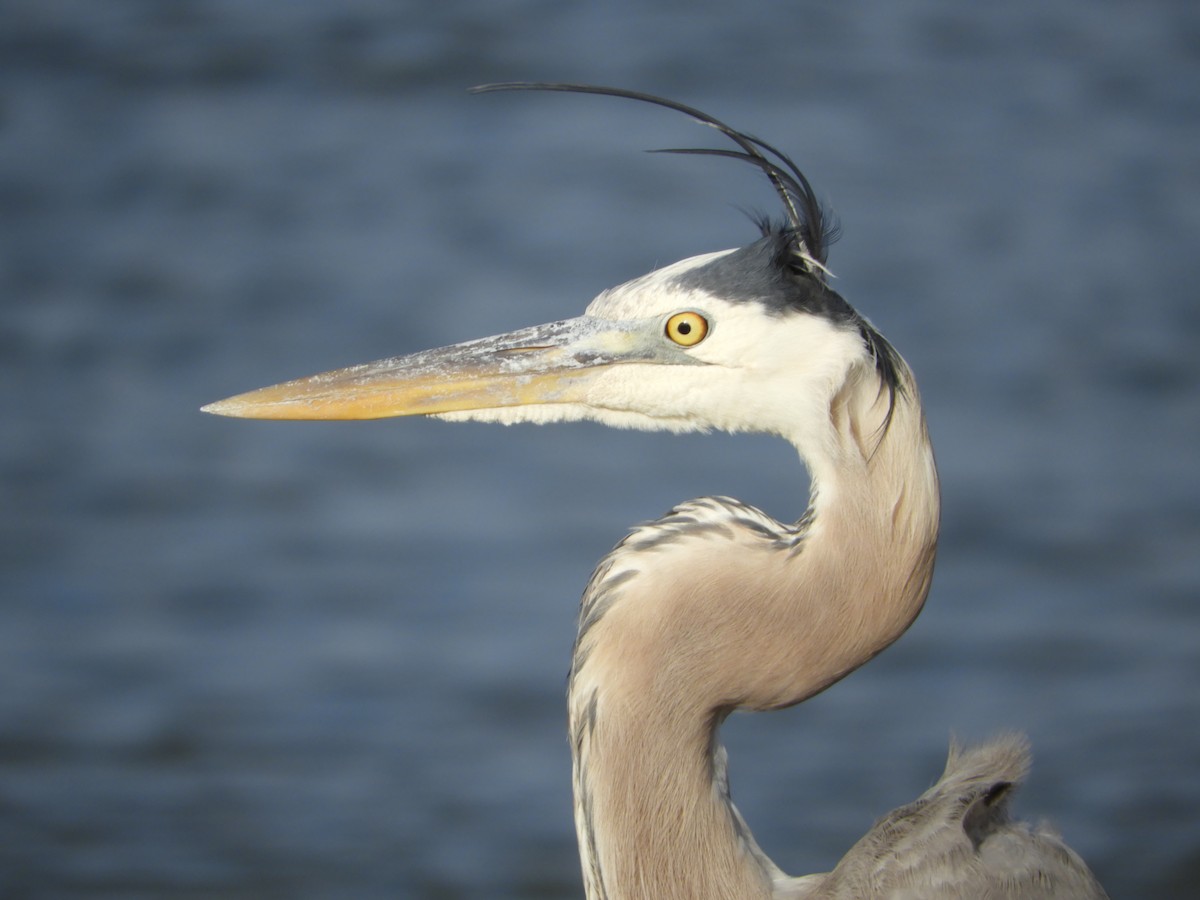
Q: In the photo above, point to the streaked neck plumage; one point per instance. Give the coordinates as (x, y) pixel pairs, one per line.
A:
(717, 606)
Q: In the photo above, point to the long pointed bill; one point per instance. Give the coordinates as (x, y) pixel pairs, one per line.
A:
(544, 364)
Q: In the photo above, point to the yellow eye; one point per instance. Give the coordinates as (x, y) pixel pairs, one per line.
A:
(687, 329)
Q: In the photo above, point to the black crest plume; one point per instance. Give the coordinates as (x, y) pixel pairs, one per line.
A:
(808, 223)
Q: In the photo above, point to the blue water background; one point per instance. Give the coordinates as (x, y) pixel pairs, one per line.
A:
(259, 660)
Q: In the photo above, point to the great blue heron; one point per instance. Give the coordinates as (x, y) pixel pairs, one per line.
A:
(716, 606)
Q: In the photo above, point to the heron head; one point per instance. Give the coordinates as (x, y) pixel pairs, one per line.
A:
(741, 340)
(753, 339)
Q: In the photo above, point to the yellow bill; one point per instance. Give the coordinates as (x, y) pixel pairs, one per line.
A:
(544, 364)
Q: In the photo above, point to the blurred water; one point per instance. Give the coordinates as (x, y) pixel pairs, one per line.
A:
(261, 660)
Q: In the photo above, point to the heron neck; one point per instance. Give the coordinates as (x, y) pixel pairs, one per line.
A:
(716, 607)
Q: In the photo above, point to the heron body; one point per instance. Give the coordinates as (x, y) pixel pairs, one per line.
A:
(717, 606)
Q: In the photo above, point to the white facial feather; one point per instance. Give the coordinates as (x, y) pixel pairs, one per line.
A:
(764, 371)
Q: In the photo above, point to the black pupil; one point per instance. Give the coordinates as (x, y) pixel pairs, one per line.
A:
(684, 327)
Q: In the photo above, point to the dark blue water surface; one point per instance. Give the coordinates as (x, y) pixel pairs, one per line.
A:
(263, 660)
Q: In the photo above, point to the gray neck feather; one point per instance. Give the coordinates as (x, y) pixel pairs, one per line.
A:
(717, 606)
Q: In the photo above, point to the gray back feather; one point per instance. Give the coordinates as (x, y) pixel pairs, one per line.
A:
(958, 840)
